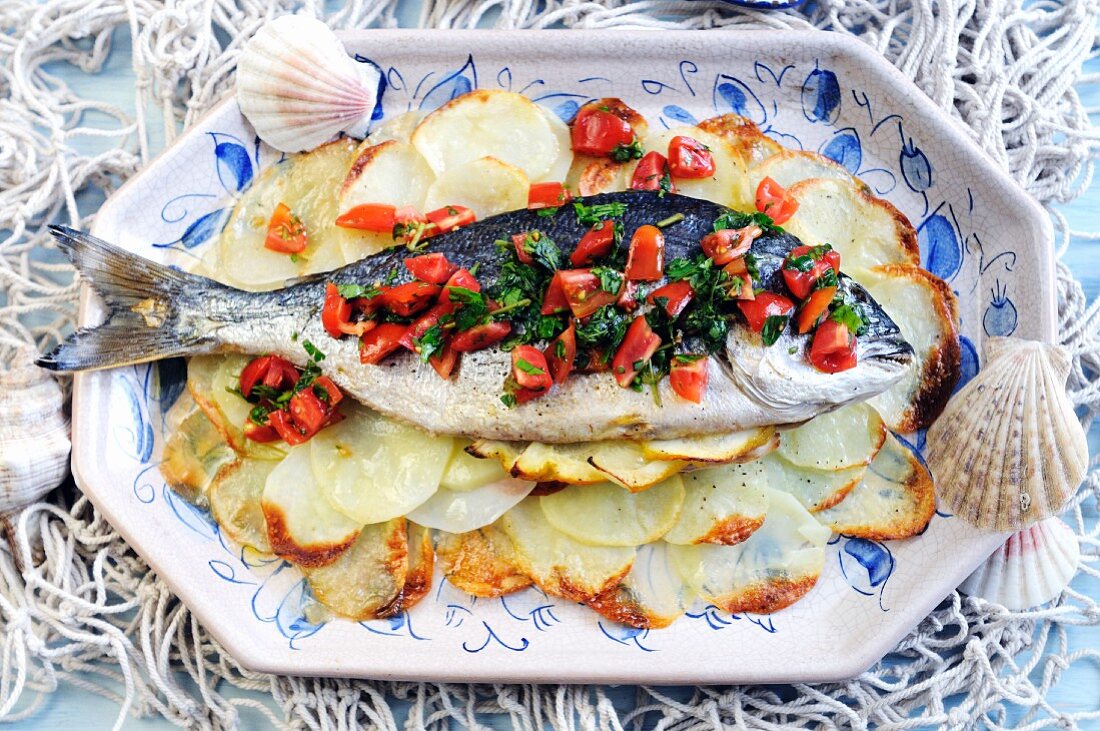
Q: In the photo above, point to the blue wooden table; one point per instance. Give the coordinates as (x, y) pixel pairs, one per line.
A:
(74, 708)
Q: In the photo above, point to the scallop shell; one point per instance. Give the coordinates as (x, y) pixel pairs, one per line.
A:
(1008, 451)
(298, 87)
(1031, 568)
(34, 436)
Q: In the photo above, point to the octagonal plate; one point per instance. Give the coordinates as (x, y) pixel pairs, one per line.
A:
(812, 91)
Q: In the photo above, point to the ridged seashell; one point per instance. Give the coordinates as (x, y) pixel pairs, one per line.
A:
(34, 436)
(298, 87)
(1008, 450)
(1031, 568)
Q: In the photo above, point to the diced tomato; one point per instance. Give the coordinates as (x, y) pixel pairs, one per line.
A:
(432, 268)
(800, 282)
(561, 352)
(407, 299)
(281, 374)
(583, 292)
(333, 392)
(480, 336)
(646, 260)
(774, 200)
(448, 218)
(596, 243)
(628, 296)
(596, 362)
(555, 300)
(285, 232)
(519, 241)
(285, 426)
(652, 168)
(309, 411)
(529, 368)
(688, 376)
(689, 158)
(370, 305)
(336, 313)
(523, 395)
(381, 341)
(424, 323)
(765, 305)
(378, 217)
(462, 278)
(598, 132)
(834, 347)
(444, 362)
(253, 372)
(637, 348)
(744, 289)
(547, 195)
(814, 307)
(257, 433)
(406, 219)
(677, 294)
(726, 245)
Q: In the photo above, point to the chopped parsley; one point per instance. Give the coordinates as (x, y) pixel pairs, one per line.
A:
(543, 250)
(849, 314)
(665, 183)
(547, 212)
(735, 220)
(529, 368)
(674, 218)
(603, 331)
(611, 281)
(355, 291)
(827, 279)
(625, 153)
(591, 215)
(430, 342)
(773, 328)
(508, 399)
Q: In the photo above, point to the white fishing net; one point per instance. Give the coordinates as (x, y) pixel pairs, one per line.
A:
(89, 612)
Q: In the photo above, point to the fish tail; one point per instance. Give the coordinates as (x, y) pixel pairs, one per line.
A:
(151, 308)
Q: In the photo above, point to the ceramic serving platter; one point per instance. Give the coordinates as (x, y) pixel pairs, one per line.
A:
(811, 91)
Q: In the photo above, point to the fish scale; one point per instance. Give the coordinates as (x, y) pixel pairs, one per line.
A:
(157, 312)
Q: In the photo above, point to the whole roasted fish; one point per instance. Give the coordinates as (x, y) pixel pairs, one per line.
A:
(157, 312)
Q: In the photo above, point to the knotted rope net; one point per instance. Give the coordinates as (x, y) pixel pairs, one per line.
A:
(89, 612)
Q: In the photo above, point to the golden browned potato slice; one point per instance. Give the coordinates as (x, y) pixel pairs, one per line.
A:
(793, 166)
(566, 463)
(925, 309)
(236, 501)
(867, 231)
(625, 463)
(744, 135)
(487, 186)
(366, 581)
(724, 505)
(711, 449)
(895, 499)
(771, 570)
(651, 596)
(421, 564)
(488, 123)
(506, 453)
(729, 184)
(481, 562)
(847, 437)
(466, 472)
(302, 525)
(590, 175)
(816, 489)
(558, 564)
(195, 450)
(210, 380)
(608, 515)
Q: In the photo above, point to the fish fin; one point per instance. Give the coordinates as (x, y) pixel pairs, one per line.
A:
(145, 301)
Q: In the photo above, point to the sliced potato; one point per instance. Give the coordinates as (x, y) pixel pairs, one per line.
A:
(366, 582)
(652, 595)
(399, 127)
(195, 450)
(558, 564)
(594, 175)
(488, 123)
(867, 231)
(608, 515)
(566, 463)
(744, 135)
(373, 469)
(486, 186)
(236, 501)
(505, 453)
(711, 449)
(460, 512)
(815, 489)
(559, 170)
(895, 499)
(210, 380)
(729, 184)
(723, 505)
(482, 562)
(771, 570)
(421, 564)
(625, 463)
(840, 439)
(793, 166)
(302, 526)
(925, 309)
(466, 472)
(305, 183)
